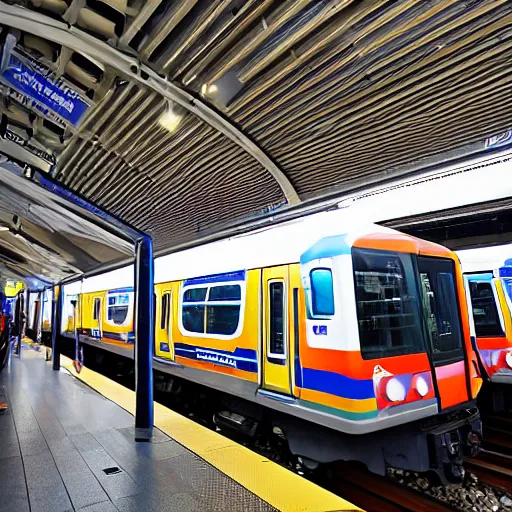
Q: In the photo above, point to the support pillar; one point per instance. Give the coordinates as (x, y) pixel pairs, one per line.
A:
(144, 307)
(20, 312)
(40, 319)
(56, 321)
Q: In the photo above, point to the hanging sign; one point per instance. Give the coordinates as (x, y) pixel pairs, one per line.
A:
(503, 139)
(28, 145)
(41, 88)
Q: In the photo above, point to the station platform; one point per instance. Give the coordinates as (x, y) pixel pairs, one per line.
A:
(67, 444)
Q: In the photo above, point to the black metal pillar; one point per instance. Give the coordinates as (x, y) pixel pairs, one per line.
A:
(39, 335)
(56, 321)
(27, 310)
(144, 305)
(20, 309)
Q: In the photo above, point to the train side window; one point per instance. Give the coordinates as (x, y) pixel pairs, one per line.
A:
(96, 308)
(212, 311)
(117, 308)
(225, 292)
(322, 292)
(222, 319)
(276, 319)
(193, 318)
(164, 310)
(485, 311)
(195, 294)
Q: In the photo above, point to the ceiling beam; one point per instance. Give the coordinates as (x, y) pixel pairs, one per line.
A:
(47, 28)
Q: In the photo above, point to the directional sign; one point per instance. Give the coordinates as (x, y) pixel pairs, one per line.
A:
(43, 89)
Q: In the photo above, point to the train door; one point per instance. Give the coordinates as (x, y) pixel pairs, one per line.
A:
(444, 329)
(96, 305)
(506, 312)
(164, 314)
(276, 329)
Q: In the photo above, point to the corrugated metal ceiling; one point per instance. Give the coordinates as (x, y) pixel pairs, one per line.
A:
(329, 93)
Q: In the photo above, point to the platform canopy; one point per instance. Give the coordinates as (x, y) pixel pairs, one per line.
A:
(45, 238)
(184, 118)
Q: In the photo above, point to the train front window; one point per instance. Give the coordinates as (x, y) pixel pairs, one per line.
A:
(485, 311)
(440, 307)
(387, 303)
(507, 285)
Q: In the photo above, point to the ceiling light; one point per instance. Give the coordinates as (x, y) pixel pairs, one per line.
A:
(170, 119)
(209, 89)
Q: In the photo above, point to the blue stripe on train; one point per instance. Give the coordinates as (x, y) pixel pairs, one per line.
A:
(128, 289)
(239, 275)
(241, 359)
(337, 384)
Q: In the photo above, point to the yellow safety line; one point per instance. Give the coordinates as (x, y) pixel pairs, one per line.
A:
(274, 484)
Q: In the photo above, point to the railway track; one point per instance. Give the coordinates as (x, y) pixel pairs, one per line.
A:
(374, 493)
(492, 468)
(497, 438)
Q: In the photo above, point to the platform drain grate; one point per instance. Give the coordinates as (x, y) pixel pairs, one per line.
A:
(112, 471)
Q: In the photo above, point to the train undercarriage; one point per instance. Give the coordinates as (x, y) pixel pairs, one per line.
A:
(436, 445)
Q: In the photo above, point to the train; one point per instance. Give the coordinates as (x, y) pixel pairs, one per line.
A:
(349, 345)
(489, 292)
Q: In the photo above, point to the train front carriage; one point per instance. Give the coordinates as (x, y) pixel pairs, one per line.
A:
(490, 302)
(387, 348)
(351, 347)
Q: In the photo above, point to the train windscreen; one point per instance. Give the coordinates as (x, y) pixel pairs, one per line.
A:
(440, 307)
(387, 303)
(507, 284)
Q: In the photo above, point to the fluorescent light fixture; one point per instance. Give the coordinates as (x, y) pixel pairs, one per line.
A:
(170, 119)
(209, 89)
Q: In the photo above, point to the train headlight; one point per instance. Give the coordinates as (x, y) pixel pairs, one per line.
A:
(395, 390)
(508, 359)
(421, 386)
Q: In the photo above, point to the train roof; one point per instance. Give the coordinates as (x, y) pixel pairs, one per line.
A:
(277, 245)
(485, 259)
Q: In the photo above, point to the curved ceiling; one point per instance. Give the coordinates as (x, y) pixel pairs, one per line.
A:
(201, 113)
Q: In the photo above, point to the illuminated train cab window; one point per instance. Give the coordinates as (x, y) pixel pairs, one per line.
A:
(118, 307)
(212, 309)
(485, 311)
(322, 293)
(387, 303)
(441, 312)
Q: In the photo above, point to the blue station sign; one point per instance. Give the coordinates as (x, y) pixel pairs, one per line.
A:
(43, 90)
